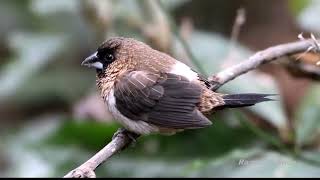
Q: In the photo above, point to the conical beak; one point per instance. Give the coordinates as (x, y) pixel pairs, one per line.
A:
(92, 61)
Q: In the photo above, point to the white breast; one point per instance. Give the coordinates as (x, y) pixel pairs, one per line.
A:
(139, 127)
(183, 70)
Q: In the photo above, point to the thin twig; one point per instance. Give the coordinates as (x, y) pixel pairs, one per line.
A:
(259, 58)
(238, 22)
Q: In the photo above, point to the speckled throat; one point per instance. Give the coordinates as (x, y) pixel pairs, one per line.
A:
(106, 79)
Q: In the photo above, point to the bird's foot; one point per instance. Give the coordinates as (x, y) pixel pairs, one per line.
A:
(81, 172)
(122, 132)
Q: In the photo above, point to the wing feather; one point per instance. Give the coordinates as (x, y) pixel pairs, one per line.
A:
(166, 100)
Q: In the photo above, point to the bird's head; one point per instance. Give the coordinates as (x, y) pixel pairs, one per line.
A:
(116, 54)
(106, 54)
(119, 54)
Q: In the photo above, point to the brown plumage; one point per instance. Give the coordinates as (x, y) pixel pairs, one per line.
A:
(148, 91)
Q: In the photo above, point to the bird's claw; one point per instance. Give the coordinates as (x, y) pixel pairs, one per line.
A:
(121, 132)
(82, 173)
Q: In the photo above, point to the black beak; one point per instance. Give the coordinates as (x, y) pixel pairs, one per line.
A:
(92, 61)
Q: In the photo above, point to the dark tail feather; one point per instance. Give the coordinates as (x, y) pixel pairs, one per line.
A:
(241, 100)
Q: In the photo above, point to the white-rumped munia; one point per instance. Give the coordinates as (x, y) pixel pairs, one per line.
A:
(148, 91)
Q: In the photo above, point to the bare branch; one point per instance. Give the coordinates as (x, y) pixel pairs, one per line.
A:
(121, 139)
(259, 58)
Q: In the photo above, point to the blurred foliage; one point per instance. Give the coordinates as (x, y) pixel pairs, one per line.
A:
(41, 46)
(308, 17)
(296, 6)
(307, 122)
(97, 134)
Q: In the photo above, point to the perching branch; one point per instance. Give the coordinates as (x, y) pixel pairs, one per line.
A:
(262, 57)
(123, 138)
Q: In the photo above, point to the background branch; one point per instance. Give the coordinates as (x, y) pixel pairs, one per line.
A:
(123, 138)
(261, 57)
(236, 28)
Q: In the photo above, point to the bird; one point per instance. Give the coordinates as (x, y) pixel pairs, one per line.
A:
(150, 92)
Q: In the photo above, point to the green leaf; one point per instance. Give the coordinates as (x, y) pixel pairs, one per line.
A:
(307, 121)
(87, 134)
(92, 136)
(213, 141)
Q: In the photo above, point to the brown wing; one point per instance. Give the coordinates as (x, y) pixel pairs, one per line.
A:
(166, 100)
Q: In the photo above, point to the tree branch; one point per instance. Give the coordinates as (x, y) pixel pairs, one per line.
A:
(121, 139)
(259, 58)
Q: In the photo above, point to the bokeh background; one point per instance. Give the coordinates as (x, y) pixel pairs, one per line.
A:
(52, 118)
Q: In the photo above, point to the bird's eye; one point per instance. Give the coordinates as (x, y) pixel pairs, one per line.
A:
(109, 57)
